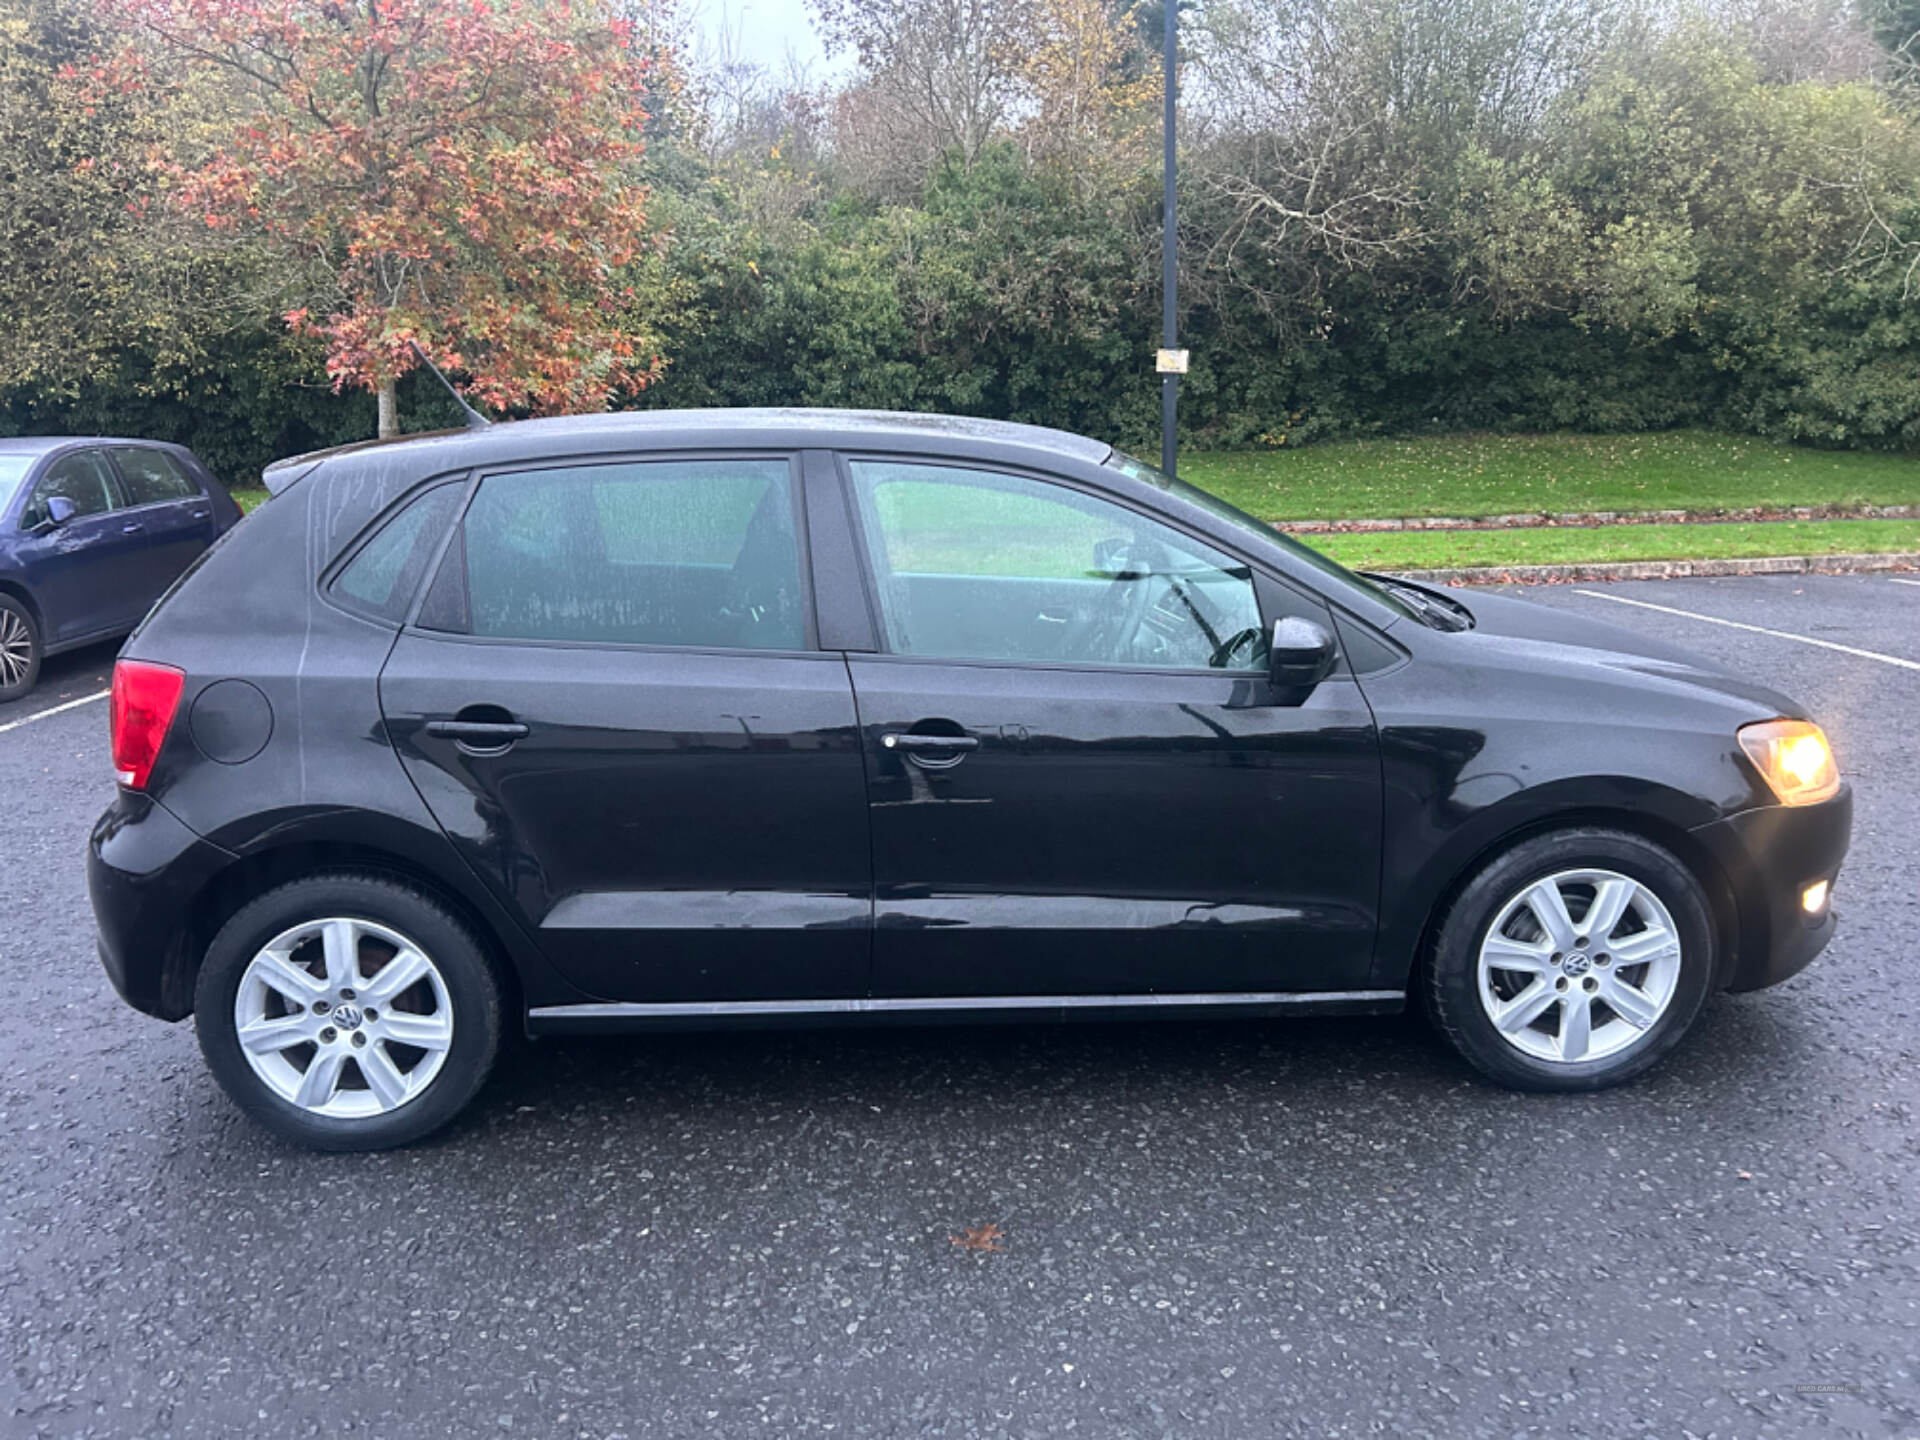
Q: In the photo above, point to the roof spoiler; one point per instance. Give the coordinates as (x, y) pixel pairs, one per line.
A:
(282, 473)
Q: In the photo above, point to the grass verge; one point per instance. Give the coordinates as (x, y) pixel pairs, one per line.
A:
(1444, 549)
(1468, 476)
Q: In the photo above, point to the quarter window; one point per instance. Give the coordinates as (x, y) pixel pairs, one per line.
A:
(153, 476)
(83, 477)
(381, 579)
(979, 565)
(696, 553)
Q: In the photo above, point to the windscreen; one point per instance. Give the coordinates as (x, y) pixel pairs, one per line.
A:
(13, 469)
(1339, 577)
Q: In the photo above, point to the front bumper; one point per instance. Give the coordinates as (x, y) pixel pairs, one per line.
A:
(1770, 855)
(143, 869)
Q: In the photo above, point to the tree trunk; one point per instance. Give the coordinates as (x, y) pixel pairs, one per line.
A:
(389, 410)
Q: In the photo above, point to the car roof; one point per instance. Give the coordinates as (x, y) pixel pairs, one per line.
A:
(43, 444)
(47, 444)
(665, 429)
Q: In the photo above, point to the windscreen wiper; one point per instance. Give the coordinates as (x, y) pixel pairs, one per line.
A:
(1441, 612)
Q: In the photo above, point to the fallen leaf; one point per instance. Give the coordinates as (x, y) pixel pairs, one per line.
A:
(979, 1237)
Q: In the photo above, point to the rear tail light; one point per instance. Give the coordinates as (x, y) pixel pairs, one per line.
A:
(145, 697)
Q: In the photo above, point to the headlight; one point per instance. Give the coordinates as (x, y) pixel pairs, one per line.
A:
(1795, 758)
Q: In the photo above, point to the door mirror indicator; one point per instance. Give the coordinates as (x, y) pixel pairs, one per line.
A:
(1302, 654)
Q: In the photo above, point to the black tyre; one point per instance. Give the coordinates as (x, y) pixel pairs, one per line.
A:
(348, 1012)
(1576, 960)
(19, 649)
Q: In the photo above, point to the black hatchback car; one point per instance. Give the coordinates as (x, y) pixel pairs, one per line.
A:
(771, 717)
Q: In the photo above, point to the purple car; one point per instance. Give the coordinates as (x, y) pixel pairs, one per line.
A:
(92, 532)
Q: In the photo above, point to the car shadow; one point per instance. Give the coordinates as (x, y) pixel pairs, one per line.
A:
(1396, 1065)
(1019, 1062)
(877, 1143)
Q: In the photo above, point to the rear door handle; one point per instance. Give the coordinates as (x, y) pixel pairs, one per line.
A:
(481, 734)
(132, 527)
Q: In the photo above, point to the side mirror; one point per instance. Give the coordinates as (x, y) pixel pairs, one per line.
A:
(59, 511)
(1302, 654)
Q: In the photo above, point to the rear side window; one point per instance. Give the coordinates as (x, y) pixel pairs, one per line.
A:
(671, 552)
(83, 477)
(381, 579)
(152, 476)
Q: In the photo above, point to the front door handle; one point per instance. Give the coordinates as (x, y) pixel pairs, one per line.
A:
(930, 752)
(896, 741)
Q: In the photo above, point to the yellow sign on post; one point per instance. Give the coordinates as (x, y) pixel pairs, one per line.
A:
(1170, 362)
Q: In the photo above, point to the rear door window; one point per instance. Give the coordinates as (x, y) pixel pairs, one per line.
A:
(153, 476)
(699, 553)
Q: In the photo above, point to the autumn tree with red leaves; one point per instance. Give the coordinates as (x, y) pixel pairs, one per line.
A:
(460, 173)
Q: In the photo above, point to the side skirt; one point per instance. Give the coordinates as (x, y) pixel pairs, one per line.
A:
(614, 1017)
(49, 649)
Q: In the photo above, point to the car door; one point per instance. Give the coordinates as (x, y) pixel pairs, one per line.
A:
(175, 514)
(86, 573)
(611, 700)
(1081, 780)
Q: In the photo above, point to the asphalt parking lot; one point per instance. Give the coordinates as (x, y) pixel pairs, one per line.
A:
(1324, 1228)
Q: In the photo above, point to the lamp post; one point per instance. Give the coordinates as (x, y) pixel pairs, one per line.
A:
(1171, 362)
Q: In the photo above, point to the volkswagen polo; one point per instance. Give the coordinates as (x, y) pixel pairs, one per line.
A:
(749, 718)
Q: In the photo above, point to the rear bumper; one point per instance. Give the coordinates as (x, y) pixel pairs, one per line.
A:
(1771, 855)
(143, 869)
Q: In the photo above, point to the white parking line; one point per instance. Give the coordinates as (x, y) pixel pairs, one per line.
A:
(53, 710)
(1757, 630)
(1898, 581)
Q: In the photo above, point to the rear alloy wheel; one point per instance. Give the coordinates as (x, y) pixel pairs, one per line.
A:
(344, 1018)
(19, 649)
(1574, 961)
(348, 1012)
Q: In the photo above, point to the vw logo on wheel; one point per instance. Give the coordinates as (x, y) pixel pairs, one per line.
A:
(1574, 965)
(347, 1017)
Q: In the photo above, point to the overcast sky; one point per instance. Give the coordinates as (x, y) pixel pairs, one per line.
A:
(761, 32)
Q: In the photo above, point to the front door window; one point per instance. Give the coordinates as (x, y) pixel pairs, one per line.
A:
(83, 478)
(980, 565)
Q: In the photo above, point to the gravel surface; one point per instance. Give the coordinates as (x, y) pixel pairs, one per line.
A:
(1233, 1229)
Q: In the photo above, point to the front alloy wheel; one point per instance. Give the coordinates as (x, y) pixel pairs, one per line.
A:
(1573, 961)
(1579, 966)
(19, 649)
